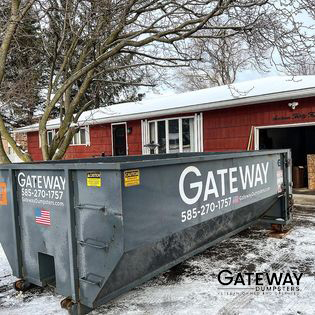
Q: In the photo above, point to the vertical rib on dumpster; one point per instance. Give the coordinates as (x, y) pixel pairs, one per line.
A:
(72, 237)
(16, 225)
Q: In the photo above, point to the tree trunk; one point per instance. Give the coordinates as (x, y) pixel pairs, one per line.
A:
(3, 155)
(61, 151)
(6, 135)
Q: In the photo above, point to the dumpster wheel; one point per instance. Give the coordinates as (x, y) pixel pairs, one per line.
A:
(66, 304)
(21, 285)
(278, 228)
(74, 308)
(279, 231)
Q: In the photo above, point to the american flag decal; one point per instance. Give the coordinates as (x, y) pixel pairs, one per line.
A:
(42, 216)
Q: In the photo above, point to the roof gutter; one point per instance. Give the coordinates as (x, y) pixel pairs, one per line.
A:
(295, 94)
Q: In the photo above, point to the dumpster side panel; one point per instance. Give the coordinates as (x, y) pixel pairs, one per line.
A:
(143, 263)
(172, 211)
(175, 197)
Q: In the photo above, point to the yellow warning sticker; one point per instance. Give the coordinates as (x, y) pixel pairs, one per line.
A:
(3, 194)
(132, 178)
(94, 179)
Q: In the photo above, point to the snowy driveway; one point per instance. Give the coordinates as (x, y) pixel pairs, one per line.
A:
(192, 287)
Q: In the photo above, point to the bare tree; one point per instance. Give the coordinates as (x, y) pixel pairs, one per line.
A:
(304, 65)
(20, 92)
(277, 39)
(218, 62)
(87, 43)
(18, 11)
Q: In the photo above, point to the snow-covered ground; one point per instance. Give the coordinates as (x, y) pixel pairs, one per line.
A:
(192, 287)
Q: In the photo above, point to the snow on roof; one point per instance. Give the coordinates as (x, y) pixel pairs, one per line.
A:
(237, 94)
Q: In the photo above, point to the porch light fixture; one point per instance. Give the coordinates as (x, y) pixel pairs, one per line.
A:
(151, 146)
(293, 105)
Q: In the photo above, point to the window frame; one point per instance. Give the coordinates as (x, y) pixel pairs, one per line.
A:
(87, 137)
(53, 132)
(180, 131)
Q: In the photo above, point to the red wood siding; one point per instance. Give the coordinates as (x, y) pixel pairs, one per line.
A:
(33, 146)
(229, 129)
(134, 138)
(224, 130)
(100, 142)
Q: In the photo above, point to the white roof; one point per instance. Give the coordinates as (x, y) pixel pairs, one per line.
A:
(238, 94)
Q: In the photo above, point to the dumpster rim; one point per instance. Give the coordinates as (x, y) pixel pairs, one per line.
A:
(118, 166)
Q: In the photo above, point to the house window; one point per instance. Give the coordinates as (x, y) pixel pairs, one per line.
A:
(152, 131)
(173, 135)
(50, 137)
(161, 136)
(188, 134)
(81, 137)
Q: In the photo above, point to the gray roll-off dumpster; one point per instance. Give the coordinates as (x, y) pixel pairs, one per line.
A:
(96, 228)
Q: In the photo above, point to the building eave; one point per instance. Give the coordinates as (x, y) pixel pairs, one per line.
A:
(242, 101)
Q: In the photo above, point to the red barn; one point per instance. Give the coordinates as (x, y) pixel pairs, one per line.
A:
(274, 112)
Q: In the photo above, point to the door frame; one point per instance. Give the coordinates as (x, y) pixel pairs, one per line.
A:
(126, 134)
(294, 125)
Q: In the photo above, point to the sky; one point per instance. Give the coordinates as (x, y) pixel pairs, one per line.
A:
(246, 75)
(243, 76)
